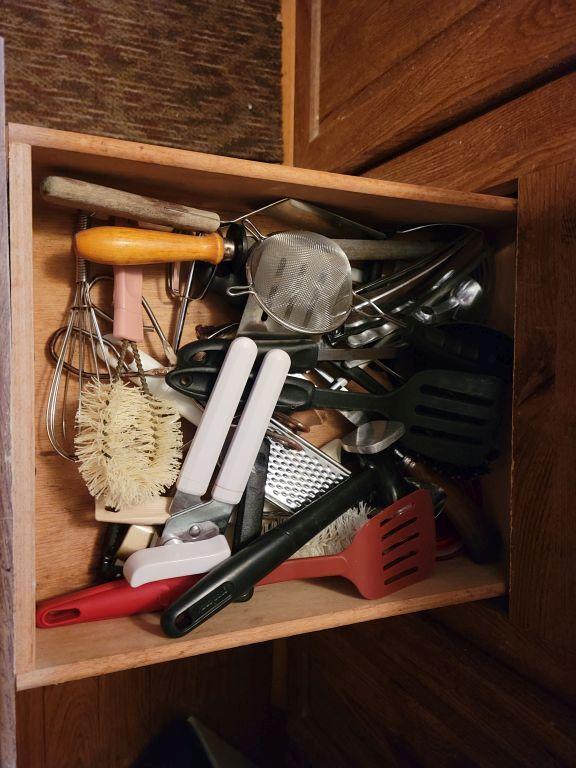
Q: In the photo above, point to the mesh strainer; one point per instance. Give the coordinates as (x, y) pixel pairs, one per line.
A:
(301, 279)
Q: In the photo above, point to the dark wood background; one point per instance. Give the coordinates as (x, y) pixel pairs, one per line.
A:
(376, 79)
(195, 74)
(473, 95)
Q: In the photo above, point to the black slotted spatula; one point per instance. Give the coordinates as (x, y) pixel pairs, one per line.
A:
(450, 417)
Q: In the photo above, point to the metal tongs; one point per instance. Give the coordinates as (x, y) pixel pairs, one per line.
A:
(193, 540)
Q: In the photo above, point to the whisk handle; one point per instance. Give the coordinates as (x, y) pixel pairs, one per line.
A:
(130, 246)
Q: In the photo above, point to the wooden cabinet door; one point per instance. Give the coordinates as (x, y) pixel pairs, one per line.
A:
(543, 532)
(376, 77)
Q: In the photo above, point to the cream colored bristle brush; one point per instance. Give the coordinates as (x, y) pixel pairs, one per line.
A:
(128, 442)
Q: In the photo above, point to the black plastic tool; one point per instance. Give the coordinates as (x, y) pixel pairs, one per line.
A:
(305, 353)
(450, 416)
(468, 347)
(239, 573)
(248, 525)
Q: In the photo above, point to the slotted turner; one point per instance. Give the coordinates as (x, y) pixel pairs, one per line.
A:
(394, 549)
(449, 416)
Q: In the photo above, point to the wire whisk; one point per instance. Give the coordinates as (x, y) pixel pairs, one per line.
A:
(82, 348)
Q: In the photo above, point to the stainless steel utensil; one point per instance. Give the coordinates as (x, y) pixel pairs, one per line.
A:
(81, 342)
(301, 279)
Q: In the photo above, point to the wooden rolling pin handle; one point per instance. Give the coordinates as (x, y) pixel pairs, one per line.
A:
(123, 245)
(479, 535)
(94, 198)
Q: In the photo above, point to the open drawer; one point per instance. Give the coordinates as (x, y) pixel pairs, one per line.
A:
(57, 540)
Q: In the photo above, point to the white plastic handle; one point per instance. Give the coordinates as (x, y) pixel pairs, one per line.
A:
(235, 471)
(173, 560)
(203, 454)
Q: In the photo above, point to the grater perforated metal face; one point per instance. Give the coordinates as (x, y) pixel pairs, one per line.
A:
(297, 477)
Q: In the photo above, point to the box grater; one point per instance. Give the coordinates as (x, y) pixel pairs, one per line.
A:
(297, 476)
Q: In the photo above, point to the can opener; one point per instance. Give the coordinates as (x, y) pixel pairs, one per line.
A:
(193, 541)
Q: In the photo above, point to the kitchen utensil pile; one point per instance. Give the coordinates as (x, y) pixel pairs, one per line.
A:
(384, 327)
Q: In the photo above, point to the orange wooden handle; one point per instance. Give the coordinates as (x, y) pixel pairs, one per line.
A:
(123, 245)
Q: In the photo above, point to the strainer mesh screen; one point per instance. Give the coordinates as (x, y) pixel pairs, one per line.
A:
(303, 280)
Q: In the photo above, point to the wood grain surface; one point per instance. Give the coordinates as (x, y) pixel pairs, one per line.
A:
(22, 395)
(408, 692)
(105, 722)
(384, 78)
(543, 534)
(198, 75)
(486, 624)
(7, 665)
(278, 610)
(492, 151)
(230, 185)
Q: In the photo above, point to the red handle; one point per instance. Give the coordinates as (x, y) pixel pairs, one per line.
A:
(307, 568)
(116, 599)
(111, 601)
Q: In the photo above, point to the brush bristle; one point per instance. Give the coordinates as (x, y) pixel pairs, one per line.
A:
(128, 443)
(336, 536)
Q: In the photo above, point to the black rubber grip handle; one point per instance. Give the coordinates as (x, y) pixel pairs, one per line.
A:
(198, 382)
(303, 351)
(233, 577)
(297, 394)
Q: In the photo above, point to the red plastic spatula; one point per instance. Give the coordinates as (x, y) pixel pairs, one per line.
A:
(394, 549)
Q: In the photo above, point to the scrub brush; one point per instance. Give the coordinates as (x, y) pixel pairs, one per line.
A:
(128, 442)
(335, 537)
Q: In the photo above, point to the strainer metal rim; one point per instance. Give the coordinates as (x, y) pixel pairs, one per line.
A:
(250, 289)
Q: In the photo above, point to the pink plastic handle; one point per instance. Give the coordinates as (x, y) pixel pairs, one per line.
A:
(128, 303)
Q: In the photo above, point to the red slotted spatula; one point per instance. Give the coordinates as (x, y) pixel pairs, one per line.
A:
(392, 550)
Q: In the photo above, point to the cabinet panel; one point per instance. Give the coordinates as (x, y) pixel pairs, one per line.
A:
(494, 150)
(408, 692)
(543, 534)
(374, 79)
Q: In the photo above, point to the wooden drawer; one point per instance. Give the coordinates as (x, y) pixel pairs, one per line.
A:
(56, 540)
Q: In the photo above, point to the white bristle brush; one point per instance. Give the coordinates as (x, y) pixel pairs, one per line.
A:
(128, 442)
(335, 537)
